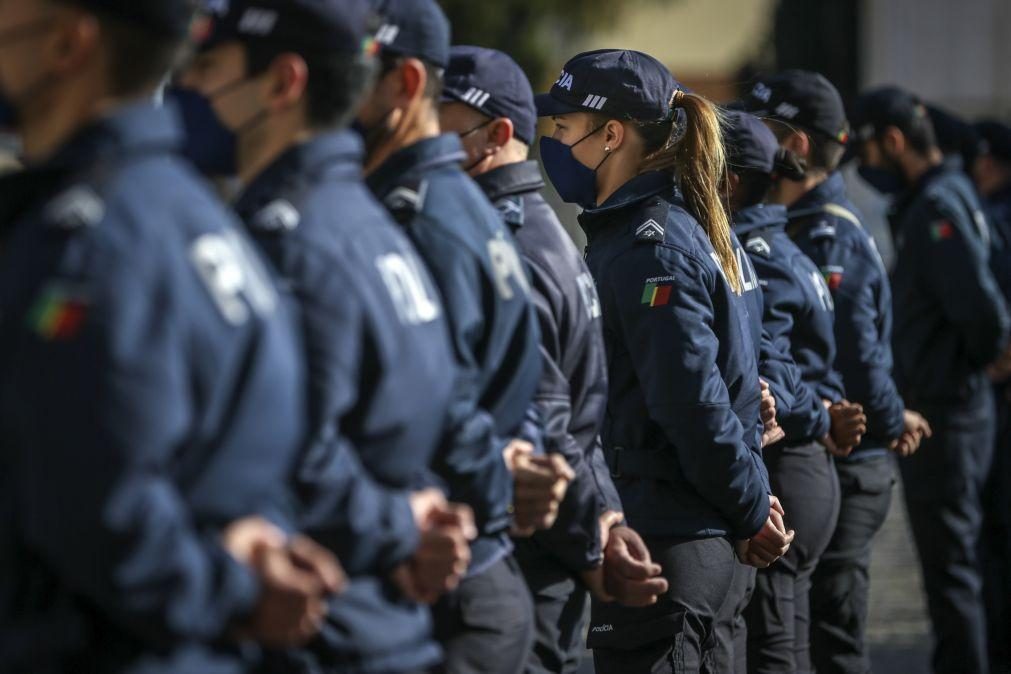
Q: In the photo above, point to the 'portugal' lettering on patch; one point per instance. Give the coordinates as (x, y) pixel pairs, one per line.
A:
(655, 294)
(939, 231)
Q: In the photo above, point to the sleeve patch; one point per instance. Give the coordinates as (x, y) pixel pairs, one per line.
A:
(833, 277)
(941, 230)
(651, 230)
(656, 291)
(59, 312)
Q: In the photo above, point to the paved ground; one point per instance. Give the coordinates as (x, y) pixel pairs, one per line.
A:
(898, 633)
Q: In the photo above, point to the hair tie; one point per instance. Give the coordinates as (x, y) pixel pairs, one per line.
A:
(677, 98)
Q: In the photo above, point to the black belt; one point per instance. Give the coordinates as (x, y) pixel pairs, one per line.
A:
(650, 464)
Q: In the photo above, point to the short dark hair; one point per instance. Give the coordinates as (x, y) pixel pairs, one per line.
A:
(139, 59)
(337, 82)
(825, 153)
(919, 133)
(753, 188)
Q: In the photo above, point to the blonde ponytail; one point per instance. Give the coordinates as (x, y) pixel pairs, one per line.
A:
(699, 162)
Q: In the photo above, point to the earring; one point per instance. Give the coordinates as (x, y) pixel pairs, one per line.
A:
(607, 148)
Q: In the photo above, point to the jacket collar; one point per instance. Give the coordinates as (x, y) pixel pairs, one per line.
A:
(761, 216)
(903, 201)
(408, 162)
(518, 178)
(631, 194)
(830, 191)
(324, 154)
(131, 129)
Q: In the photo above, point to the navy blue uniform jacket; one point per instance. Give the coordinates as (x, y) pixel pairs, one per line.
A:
(798, 316)
(826, 226)
(950, 320)
(572, 395)
(486, 292)
(152, 392)
(380, 374)
(681, 429)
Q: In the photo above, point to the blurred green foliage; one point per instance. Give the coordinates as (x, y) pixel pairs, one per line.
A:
(539, 34)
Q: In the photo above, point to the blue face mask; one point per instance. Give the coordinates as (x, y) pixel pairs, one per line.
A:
(883, 180)
(209, 144)
(575, 182)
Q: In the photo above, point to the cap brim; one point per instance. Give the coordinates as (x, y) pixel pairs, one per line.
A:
(549, 106)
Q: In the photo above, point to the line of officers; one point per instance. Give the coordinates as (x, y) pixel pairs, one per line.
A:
(379, 415)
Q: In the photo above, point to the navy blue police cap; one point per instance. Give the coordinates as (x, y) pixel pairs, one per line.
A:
(171, 18)
(877, 109)
(493, 84)
(621, 83)
(316, 26)
(800, 98)
(750, 145)
(994, 139)
(415, 29)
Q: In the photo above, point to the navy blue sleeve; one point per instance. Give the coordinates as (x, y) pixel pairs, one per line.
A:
(806, 417)
(575, 537)
(864, 353)
(102, 413)
(684, 389)
(368, 526)
(776, 368)
(470, 460)
(954, 268)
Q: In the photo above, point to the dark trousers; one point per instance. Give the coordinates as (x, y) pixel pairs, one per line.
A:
(486, 625)
(996, 539)
(731, 628)
(943, 483)
(841, 583)
(678, 633)
(778, 616)
(561, 611)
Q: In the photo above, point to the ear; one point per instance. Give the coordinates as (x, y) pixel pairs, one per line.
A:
(411, 78)
(893, 141)
(797, 142)
(501, 131)
(614, 134)
(76, 39)
(287, 81)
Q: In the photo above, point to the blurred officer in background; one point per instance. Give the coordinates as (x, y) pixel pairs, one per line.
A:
(488, 101)
(956, 138)
(487, 623)
(681, 432)
(992, 174)
(807, 115)
(153, 396)
(374, 329)
(950, 324)
(798, 317)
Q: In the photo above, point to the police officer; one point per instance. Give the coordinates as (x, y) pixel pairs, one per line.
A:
(486, 625)
(807, 115)
(374, 329)
(950, 323)
(992, 175)
(798, 315)
(681, 431)
(488, 101)
(152, 392)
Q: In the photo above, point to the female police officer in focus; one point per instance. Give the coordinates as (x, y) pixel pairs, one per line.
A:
(681, 431)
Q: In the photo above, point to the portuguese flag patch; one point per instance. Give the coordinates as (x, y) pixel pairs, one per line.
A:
(656, 294)
(58, 313)
(939, 231)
